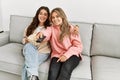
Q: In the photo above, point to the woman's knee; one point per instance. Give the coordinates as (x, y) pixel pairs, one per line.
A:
(27, 47)
(70, 65)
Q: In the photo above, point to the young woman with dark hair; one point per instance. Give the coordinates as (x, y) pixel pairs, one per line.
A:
(35, 53)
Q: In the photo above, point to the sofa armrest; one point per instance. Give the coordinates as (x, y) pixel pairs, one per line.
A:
(4, 38)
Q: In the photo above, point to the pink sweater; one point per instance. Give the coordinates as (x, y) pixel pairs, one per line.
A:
(70, 46)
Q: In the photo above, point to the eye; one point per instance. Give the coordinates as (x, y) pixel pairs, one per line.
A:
(53, 17)
(57, 16)
(45, 14)
(40, 13)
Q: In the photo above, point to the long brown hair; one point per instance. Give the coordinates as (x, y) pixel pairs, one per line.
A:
(65, 27)
(35, 22)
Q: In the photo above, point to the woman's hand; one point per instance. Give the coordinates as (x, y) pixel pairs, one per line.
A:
(62, 58)
(76, 30)
(25, 40)
(39, 35)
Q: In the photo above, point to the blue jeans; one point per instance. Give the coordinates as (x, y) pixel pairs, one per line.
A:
(62, 70)
(32, 60)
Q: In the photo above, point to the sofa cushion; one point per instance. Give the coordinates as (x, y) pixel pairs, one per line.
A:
(9, 76)
(85, 30)
(81, 72)
(106, 40)
(4, 38)
(17, 26)
(11, 59)
(105, 68)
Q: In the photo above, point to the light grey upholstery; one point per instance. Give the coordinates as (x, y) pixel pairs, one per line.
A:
(101, 51)
(105, 52)
(8, 76)
(106, 40)
(82, 72)
(105, 68)
(17, 26)
(11, 58)
(4, 38)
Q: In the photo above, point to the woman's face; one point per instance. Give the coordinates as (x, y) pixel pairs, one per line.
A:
(56, 19)
(42, 16)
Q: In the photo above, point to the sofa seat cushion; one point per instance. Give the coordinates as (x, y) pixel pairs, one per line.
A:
(105, 68)
(9, 76)
(81, 72)
(11, 58)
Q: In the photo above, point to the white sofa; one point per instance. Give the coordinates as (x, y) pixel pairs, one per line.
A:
(101, 53)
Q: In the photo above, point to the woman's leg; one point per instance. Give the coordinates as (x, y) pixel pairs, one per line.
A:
(67, 68)
(54, 69)
(30, 53)
(24, 73)
(42, 57)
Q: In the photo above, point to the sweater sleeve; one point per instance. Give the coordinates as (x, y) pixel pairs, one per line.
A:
(47, 32)
(76, 47)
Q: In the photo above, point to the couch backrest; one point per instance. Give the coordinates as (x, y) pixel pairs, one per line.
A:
(106, 40)
(17, 26)
(86, 35)
(19, 23)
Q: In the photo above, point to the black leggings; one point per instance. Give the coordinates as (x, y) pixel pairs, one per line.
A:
(62, 70)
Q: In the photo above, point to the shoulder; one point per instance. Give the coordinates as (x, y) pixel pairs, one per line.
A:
(48, 29)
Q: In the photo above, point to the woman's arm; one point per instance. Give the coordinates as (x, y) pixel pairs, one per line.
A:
(47, 33)
(76, 47)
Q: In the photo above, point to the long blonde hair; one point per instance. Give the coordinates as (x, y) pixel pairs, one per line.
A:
(65, 27)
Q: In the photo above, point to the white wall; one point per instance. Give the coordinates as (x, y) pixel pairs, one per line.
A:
(100, 11)
(0, 17)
